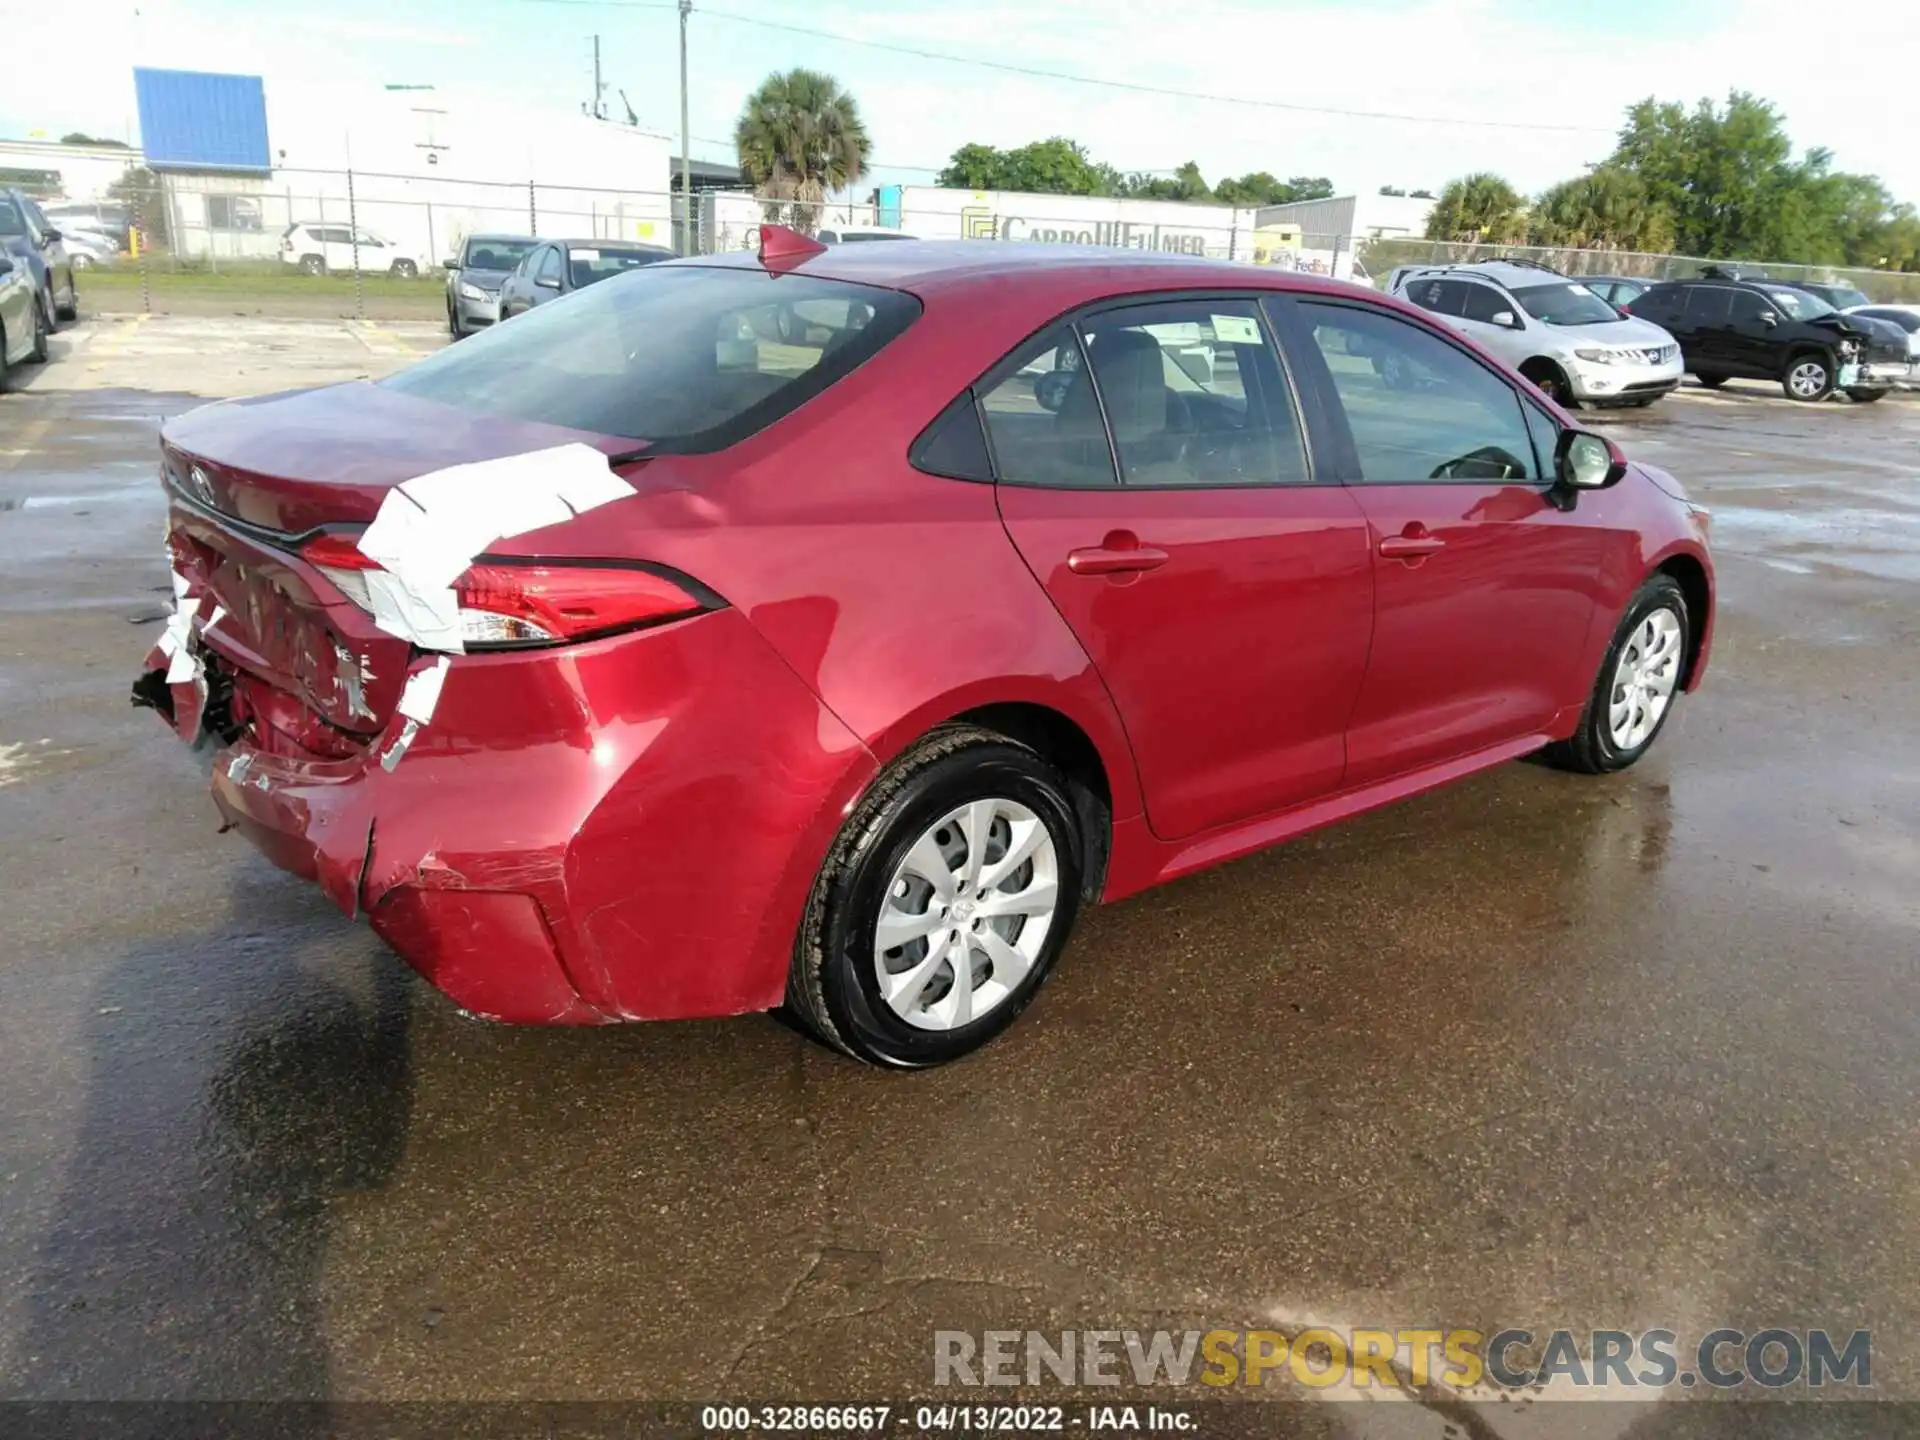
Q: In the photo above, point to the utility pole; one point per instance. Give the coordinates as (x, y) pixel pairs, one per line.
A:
(599, 110)
(686, 162)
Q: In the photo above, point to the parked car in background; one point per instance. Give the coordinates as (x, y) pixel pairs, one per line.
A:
(839, 674)
(1617, 290)
(23, 317)
(317, 248)
(835, 234)
(1839, 296)
(474, 277)
(26, 233)
(1553, 330)
(1767, 330)
(556, 267)
(87, 248)
(1906, 318)
(101, 217)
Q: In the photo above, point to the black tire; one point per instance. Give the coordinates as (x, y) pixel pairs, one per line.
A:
(3, 359)
(453, 323)
(313, 265)
(1710, 380)
(1861, 396)
(1592, 750)
(833, 988)
(406, 269)
(71, 310)
(1817, 369)
(1553, 381)
(42, 328)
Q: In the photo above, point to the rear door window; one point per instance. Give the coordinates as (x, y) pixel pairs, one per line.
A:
(549, 264)
(1194, 395)
(1442, 297)
(1709, 305)
(1043, 418)
(686, 358)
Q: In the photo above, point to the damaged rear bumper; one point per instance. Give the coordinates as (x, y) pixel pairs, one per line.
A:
(624, 829)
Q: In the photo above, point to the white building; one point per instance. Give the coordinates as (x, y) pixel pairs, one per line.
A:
(1221, 231)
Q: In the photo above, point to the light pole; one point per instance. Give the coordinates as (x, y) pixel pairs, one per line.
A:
(686, 162)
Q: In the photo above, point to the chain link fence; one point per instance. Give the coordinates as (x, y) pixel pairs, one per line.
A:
(374, 245)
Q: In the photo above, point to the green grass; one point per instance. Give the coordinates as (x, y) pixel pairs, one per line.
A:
(262, 289)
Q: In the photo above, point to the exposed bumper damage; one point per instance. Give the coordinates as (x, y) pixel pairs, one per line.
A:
(558, 847)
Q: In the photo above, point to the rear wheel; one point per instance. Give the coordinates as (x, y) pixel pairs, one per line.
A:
(943, 904)
(1809, 377)
(313, 265)
(1638, 683)
(1860, 396)
(405, 269)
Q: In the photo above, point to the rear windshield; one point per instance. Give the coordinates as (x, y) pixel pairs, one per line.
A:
(593, 263)
(486, 254)
(686, 358)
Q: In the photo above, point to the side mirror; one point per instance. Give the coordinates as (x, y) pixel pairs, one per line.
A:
(1584, 461)
(450, 264)
(1506, 319)
(548, 284)
(49, 236)
(1769, 319)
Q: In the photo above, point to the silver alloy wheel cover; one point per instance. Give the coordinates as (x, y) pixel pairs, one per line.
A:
(1807, 378)
(966, 914)
(1644, 679)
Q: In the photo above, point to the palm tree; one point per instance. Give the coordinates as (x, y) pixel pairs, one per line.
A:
(1605, 209)
(1475, 209)
(799, 138)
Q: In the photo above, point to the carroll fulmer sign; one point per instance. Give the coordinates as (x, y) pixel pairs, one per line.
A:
(982, 224)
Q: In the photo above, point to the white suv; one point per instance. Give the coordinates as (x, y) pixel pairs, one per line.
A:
(317, 248)
(1552, 329)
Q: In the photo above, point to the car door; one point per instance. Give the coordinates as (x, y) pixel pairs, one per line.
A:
(1707, 345)
(513, 288)
(1483, 586)
(375, 253)
(548, 278)
(1751, 339)
(1220, 586)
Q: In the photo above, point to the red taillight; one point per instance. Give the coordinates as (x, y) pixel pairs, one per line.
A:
(515, 602)
(507, 603)
(337, 552)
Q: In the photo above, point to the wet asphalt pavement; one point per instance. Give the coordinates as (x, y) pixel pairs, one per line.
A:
(1539, 1050)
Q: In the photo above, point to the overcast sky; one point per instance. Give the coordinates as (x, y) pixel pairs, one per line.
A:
(1507, 64)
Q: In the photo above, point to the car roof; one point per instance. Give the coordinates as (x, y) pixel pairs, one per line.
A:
(493, 239)
(592, 244)
(1078, 272)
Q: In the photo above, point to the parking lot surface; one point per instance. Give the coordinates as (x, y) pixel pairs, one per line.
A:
(1539, 1050)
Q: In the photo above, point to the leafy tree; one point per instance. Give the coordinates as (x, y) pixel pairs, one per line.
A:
(1055, 166)
(139, 190)
(1478, 208)
(1186, 183)
(78, 138)
(799, 138)
(1391, 190)
(1605, 209)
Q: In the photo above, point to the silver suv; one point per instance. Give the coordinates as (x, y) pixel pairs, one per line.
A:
(1552, 329)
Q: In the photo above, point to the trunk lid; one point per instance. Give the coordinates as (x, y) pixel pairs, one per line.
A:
(250, 481)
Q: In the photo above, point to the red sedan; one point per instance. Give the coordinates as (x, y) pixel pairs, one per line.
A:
(824, 628)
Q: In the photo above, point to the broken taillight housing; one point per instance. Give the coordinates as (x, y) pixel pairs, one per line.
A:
(511, 603)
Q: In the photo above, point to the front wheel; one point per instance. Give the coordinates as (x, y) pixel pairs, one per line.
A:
(1710, 380)
(42, 328)
(943, 904)
(69, 309)
(1808, 378)
(1638, 682)
(405, 270)
(313, 265)
(1861, 396)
